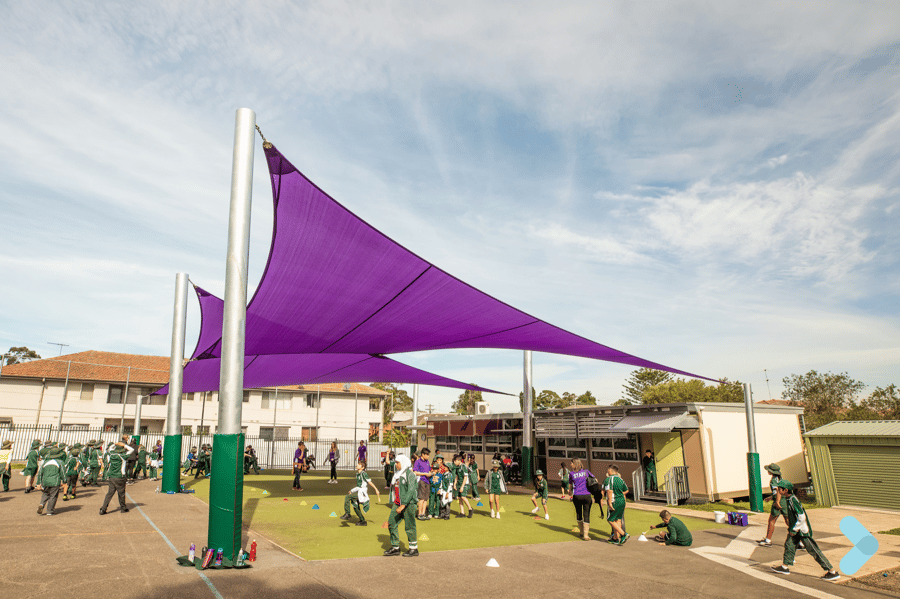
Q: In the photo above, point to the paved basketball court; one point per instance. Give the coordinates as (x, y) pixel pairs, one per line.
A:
(81, 554)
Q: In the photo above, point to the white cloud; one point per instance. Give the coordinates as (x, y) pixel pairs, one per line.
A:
(773, 162)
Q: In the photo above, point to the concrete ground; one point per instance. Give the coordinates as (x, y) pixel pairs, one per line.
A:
(79, 553)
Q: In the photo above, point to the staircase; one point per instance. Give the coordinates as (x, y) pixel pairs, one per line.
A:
(676, 487)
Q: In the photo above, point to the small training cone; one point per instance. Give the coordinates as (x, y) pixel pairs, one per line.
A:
(502, 510)
(316, 506)
(285, 498)
(537, 518)
(333, 515)
(302, 503)
(479, 504)
(265, 492)
(423, 537)
(575, 529)
(493, 563)
(385, 525)
(642, 537)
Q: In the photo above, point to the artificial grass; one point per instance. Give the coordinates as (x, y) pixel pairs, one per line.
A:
(893, 531)
(740, 506)
(315, 535)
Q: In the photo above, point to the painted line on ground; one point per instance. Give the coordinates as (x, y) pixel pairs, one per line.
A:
(208, 582)
(80, 534)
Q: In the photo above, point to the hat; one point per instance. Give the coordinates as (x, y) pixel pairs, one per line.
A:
(77, 446)
(7, 444)
(117, 449)
(495, 463)
(785, 484)
(773, 469)
(36, 443)
(76, 451)
(539, 473)
(56, 452)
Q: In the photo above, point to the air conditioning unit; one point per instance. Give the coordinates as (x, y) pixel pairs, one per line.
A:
(482, 407)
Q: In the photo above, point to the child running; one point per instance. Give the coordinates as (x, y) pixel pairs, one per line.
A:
(775, 471)
(73, 466)
(541, 489)
(461, 486)
(799, 530)
(494, 485)
(358, 496)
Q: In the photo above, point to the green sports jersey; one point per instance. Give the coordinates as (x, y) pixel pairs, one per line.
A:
(32, 460)
(72, 466)
(95, 458)
(798, 523)
(617, 486)
(142, 456)
(362, 478)
(51, 473)
(541, 487)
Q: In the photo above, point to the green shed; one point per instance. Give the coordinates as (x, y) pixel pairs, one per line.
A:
(856, 463)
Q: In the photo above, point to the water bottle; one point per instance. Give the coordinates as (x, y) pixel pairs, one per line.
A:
(157, 489)
(219, 556)
(253, 551)
(240, 559)
(192, 552)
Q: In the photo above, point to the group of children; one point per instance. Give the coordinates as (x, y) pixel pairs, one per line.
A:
(200, 463)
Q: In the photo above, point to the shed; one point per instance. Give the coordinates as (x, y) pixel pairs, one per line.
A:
(856, 463)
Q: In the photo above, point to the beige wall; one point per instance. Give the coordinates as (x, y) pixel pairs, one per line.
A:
(693, 458)
(724, 441)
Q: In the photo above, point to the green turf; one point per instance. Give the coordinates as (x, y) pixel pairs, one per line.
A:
(893, 531)
(315, 535)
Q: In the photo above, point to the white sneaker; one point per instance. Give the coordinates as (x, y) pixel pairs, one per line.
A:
(498, 515)
(546, 516)
(492, 514)
(534, 511)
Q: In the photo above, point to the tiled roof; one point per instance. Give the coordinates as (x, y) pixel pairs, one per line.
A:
(777, 402)
(96, 366)
(110, 367)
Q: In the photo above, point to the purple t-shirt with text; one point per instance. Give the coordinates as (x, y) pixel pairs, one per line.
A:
(422, 466)
(579, 482)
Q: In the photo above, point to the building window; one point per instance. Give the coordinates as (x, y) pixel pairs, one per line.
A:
(158, 400)
(187, 430)
(280, 433)
(186, 397)
(246, 397)
(115, 394)
(312, 400)
(268, 399)
(374, 429)
(203, 430)
(87, 392)
(74, 427)
(374, 404)
(6, 423)
(308, 434)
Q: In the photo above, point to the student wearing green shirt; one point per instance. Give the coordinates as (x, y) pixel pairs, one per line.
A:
(72, 467)
(154, 464)
(494, 485)
(564, 480)
(94, 463)
(676, 532)
(461, 486)
(50, 478)
(403, 506)
(541, 490)
(6, 463)
(474, 477)
(116, 473)
(799, 530)
(141, 465)
(615, 489)
(358, 496)
(31, 465)
(775, 471)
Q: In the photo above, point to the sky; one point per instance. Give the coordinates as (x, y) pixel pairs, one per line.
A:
(714, 186)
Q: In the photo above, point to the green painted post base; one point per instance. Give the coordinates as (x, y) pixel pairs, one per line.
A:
(756, 499)
(412, 450)
(527, 466)
(171, 479)
(226, 494)
(137, 439)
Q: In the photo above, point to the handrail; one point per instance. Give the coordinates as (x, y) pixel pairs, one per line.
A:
(677, 486)
(637, 483)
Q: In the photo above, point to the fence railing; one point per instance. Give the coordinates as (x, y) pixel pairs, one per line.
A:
(637, 483)
(677, 487)
(277, 453)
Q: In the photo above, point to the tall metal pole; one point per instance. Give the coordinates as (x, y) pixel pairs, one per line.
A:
(527, 445)
(274, 425)
(227, 480)
(137, 418)
(172, 440)
(63, 403)
(414, 442)
(355, 417)
(125, 402)
(753, 475)
(318, 405)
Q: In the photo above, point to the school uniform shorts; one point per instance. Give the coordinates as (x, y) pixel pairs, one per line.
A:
(424, 491)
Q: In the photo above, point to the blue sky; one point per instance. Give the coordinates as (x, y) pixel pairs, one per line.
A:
(713, 186)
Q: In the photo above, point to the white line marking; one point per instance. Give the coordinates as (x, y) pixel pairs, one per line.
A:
(208, 582)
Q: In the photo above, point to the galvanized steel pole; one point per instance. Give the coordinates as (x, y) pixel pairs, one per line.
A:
(414, 442)
(172, 441)
(227, 480)
(527, 445)
(753, 475)
(62, 405)
(125, 402)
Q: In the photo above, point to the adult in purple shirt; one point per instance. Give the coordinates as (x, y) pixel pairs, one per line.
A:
(581, 497)
(422, 469)
(362, 451)
(299, 463)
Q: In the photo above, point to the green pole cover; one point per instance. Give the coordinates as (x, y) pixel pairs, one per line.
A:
(527, 466)
(226, 494)
(171, 479)
(756, 499)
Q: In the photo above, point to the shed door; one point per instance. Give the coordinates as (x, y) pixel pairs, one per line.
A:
(867, 475)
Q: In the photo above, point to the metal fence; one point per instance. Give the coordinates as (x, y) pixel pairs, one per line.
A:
(277, 453)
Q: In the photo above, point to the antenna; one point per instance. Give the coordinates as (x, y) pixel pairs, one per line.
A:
(61, 345)
(767, 383)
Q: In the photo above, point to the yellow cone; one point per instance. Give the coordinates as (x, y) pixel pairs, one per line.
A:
(423, 537)
(302, 503)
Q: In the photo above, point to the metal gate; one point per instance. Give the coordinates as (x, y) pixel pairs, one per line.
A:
(867, 475)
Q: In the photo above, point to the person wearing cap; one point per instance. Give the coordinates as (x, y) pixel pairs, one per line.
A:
(461, 486)
(6, 464)
(154, 462)
(542, 491)
(190, 461)
(72, 467)
(775, 471)
(96, 463)
(474, 476)
(494, 484)
(141, 465)
(799, 530)
(117, 471)
(31, 465)
(50, 478)
(202, 462)
(250, 460)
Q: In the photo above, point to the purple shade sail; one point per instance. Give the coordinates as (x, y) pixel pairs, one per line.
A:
(211, 313)
(311, 369)
(334, 284)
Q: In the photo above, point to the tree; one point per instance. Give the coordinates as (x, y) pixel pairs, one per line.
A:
(466, 402)
(640, 380)
(17, 355)
(883, 404)
(825, 397)
(522, 400)
(402, 402)
(586, 399)
(694, 390)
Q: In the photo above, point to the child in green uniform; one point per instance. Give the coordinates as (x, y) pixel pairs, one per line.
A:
(6, 463)
(388, 462)
(649, 464)
(541, 490)
(615, 489)
(403, 507)
(94, 463)
(72, 468)
(31, 465)
(358, 496)
(461, 486)
(799, 530)
(50, 478)
(474, 477)
(154, 464)
(676, 532)
(494, 485)
(775, 471)
(141, 465)
(564, 479)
